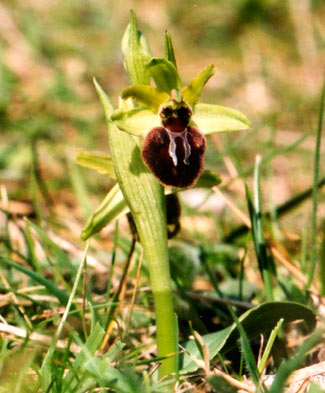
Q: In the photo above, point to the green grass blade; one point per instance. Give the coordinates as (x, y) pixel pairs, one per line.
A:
(46, 366)
(269, 157)
(322, 261)
(260, 244)
(313, 256)
(32, 256)
(258, 236)
(269, 345)
(62, 296)
(62, 259)
(280, 210)
(88, 349)
(72, 294)
(288, 366)
(247, 350)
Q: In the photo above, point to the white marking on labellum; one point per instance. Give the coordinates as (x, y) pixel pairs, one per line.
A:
(172, 145)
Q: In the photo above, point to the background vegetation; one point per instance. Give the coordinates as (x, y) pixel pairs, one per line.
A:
(269, 57)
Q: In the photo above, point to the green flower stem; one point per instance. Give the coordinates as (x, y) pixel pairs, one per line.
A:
(146, 200)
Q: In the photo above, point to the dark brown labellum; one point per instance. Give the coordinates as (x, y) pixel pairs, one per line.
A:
(175, 158)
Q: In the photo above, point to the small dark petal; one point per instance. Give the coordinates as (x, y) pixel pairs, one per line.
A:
(175, 116)
(156, 156)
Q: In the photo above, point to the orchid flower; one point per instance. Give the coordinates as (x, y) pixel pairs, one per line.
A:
(173, 125)
(162, 128)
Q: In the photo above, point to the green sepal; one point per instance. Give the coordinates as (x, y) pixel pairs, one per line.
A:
(192, 93)
(146, 95)
(137, 121)
(215, 118)
(100, 162)
(136, 53)
(169, 50)
(164, 73)
(114, 204)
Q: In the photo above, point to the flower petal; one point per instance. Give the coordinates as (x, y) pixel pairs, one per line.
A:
(146, 95)
(215, 118)
(137, 121)
(192, 93)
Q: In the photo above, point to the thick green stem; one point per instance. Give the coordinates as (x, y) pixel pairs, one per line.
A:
(156, 252)
(146, 200)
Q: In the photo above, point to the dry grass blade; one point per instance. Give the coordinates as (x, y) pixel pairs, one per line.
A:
(16, 301)
(15, 332)
(243, 387)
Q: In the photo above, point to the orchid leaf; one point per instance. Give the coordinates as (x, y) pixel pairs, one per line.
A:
(169, 49)
(258, 320)
(111, 208)
(192, 93)
(136, 53)
(215, 118)
(114, 204)
(108, 107)
(137, 121)
(100, 162)
(146, 95)
(164, 73)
